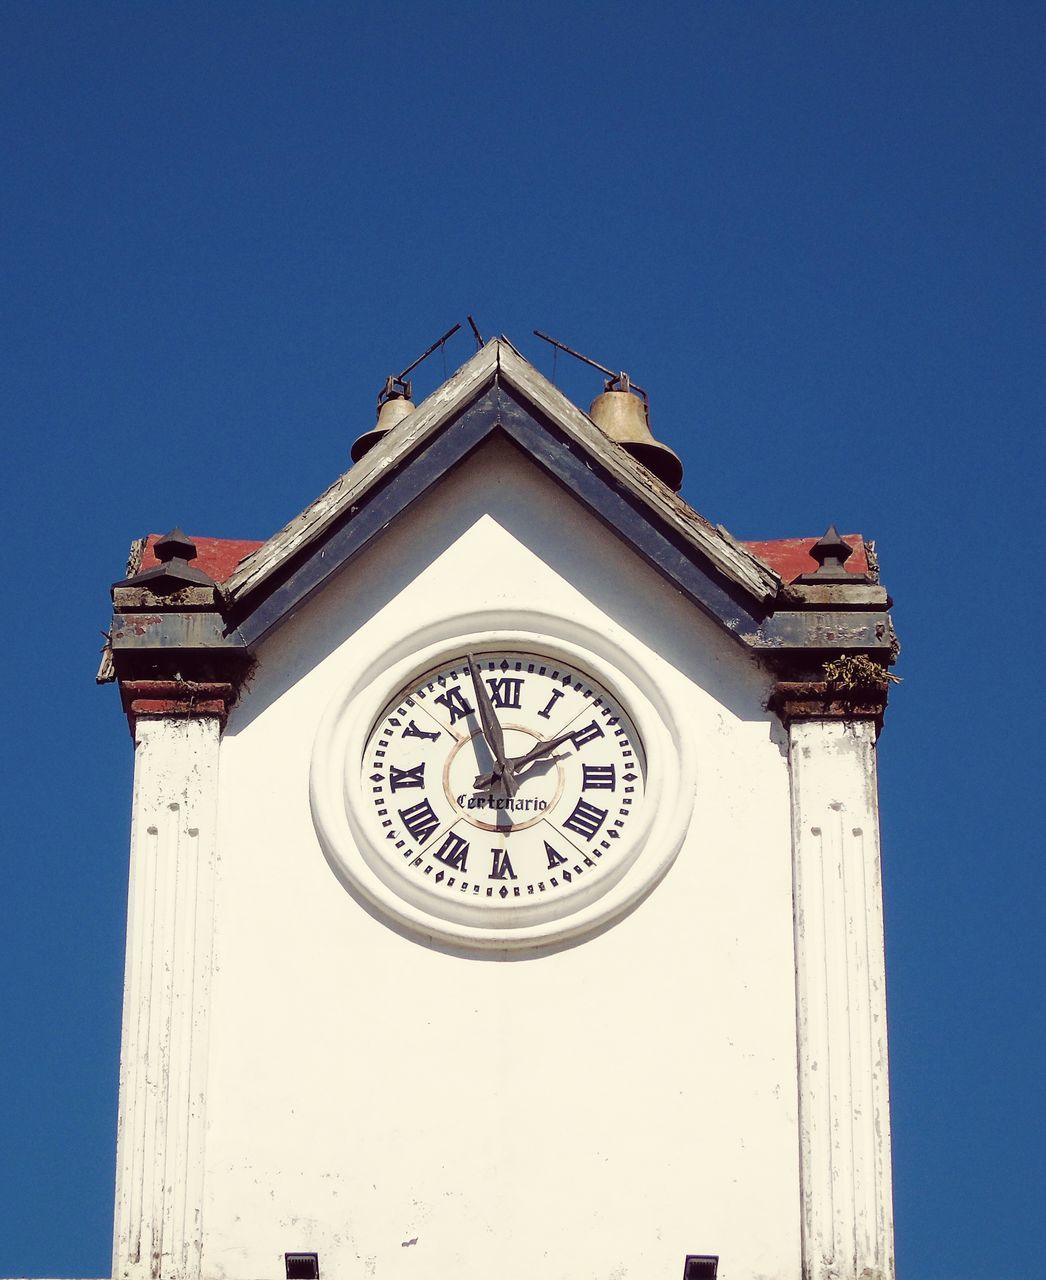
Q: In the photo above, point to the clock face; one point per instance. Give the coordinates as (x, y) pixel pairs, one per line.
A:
(502, 787)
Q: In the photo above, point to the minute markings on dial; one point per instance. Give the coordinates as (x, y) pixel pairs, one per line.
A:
(588, 752)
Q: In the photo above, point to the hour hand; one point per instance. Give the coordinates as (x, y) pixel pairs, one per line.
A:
(492, 733)
(518, 763)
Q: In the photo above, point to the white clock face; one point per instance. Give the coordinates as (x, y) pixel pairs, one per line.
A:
(503, 788)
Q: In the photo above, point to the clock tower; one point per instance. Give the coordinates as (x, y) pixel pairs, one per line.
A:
(505, 892)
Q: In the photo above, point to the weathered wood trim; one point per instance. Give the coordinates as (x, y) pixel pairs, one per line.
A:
(592, 477)
(502, 410)
(728, 556)
(106, 673)
(498, 360)
(174, 630)
(496, 391)
(303, 575)
(349, 488)
(658, 541)
(846, 595)
(178, 663)
(189, 597)
(839, 631)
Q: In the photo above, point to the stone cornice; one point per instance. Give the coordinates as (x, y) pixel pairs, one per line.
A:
(820, 700)
(178, 697)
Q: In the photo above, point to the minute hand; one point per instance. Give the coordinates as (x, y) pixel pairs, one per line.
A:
(535, 753)
(492, 732)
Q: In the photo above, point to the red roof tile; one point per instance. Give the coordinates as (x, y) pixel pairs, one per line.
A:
(788, 557)
(215, 556)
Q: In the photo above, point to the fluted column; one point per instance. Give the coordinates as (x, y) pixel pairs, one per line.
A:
(163, 1062)
(847, 1210)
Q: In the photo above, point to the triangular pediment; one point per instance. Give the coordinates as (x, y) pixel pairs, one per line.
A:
(499, 392)
(168, 644)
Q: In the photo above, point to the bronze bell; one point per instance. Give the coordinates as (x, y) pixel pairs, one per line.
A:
(621, 412)
(394, 404)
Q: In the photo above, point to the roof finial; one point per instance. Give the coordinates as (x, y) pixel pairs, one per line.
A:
(174, 546)
(174, 551)
(831, 553)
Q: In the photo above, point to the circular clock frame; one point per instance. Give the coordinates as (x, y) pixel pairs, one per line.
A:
(362, 857)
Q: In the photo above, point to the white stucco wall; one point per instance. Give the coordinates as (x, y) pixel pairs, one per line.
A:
(406, 1111)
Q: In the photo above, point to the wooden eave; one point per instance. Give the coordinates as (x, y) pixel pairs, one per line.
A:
(498, 360)
(497, 391)
(497, 394)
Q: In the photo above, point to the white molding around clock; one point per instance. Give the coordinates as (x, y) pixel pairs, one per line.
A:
(337, 797)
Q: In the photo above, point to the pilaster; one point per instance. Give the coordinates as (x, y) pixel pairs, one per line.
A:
(847, 1213)
(158, 1229)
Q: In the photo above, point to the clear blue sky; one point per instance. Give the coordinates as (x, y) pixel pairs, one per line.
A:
(812, 230)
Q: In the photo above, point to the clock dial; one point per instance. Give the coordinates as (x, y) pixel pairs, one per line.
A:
(509, 781)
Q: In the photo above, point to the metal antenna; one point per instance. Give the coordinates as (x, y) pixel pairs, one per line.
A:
(475, 333)
(399, 386)
(615, 381)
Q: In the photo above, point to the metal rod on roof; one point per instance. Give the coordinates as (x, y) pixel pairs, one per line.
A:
(576, 354)
(610, 373)
(425, 354)
(475, 332)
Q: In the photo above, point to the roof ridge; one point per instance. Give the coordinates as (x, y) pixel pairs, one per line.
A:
(498, 357)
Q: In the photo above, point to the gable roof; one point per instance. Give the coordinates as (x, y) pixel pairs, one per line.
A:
(498, 360)
(750, 590)
(498, 391)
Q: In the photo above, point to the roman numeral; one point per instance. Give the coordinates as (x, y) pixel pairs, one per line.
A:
(455, 702)
(414, 777)
(586, 819)
(505, 691)
(412, 731)
(420, 820)
(557, 694)
(554, 859)
(501, 866)
(581, 736)
(453, 852)
(597, 777)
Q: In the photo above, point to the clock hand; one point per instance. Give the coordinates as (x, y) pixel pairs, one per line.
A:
(542, 749)
(492, 733)
(519, 762)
